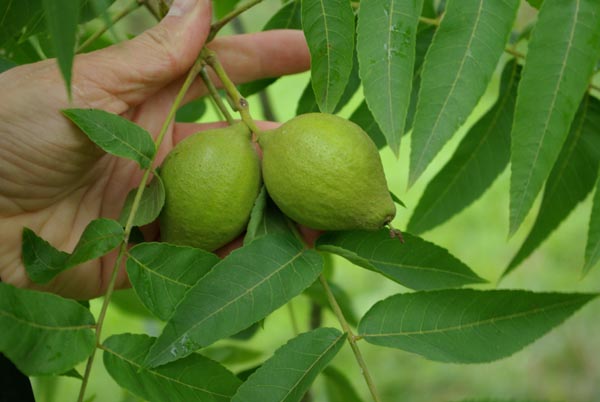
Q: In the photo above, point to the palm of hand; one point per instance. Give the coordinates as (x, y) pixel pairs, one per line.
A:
(54, 180)
(57, 180)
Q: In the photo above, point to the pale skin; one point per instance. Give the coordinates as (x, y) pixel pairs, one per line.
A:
(55, 181)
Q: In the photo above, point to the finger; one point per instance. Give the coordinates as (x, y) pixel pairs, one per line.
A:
(263, 54)
(250, 57)
(134, 70)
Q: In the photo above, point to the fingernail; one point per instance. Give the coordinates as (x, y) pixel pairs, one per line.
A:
(181, 7)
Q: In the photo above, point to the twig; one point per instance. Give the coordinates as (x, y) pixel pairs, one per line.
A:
(351, 339)
(216, 97)
(239, 102)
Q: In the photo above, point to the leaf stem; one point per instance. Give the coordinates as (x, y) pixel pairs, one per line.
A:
(193, 73)
(351, 339)
(239, 102)
(215, 96)
(217, 26)
(116, 18)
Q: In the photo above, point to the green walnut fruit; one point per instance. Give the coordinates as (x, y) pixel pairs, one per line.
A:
(211, 180)
(325, 172)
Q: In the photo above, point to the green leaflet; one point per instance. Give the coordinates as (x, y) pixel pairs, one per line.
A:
(36, 327)
(161, 274)
(242, 289)
(43, 262)
(62, 17)
(480, 158)
(308, 103)
(572, 178)
(191, 112)
(416, 263)
(191, 379)
(456, 72)
(266, 218)
(364, 118)
(115, 134)
(465, 325)
(329, 29)
(287, 375)
(386, 38)
(151, 203)
(564, 45)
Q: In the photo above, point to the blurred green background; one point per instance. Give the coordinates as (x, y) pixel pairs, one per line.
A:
(562, 366)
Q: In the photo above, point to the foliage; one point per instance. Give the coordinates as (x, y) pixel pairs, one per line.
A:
(423, 69)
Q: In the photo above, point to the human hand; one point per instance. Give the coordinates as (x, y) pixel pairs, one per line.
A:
(55, 181)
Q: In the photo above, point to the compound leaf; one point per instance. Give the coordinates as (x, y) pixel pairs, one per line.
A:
(43, 333)
(161, 274)
(416, 263)
(115, 134)
(386, 39)
(563, 50)
(329, 29)
(465, 325)
(287, 375)
(457, 69)
(242, 289)
(194, 378)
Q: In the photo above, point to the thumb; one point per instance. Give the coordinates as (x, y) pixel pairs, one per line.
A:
(137, 68)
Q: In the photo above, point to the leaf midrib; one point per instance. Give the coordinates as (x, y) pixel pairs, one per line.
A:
(398, 265)
(328, 52)
(154, 272)
(46, 327)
